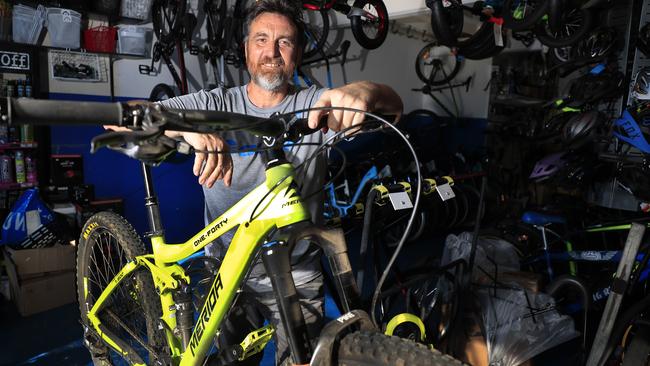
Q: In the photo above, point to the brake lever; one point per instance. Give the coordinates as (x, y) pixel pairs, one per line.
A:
(120, 138)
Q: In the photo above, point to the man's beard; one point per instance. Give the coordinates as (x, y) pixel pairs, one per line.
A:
(271, 80)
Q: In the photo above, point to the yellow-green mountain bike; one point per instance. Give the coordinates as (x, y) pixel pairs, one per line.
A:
(137, 305)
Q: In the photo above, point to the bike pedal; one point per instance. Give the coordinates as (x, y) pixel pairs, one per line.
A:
(144, 69)
(255, 341)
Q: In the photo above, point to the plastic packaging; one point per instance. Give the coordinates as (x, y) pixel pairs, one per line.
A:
(136, 9)
(27, 23)
(134, 40)
(493, 255)
(520, 325)
(30, 224)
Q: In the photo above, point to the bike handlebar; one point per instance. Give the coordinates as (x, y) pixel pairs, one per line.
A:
(36, 111)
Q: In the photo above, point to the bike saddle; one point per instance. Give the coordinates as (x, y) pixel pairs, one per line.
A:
(538, 218)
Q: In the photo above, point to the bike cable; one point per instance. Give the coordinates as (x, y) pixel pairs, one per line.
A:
(416, 204)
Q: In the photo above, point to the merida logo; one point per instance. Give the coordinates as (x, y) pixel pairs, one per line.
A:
(206, 313)
(291, 203)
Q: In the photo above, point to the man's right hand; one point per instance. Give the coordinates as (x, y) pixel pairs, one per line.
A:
(209, 167)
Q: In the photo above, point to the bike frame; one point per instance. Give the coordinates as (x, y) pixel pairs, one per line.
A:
(276, 203)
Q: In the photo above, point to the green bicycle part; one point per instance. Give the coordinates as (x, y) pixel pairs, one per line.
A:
(405, 318)
(255, 341)
(570, 109)
(572, 265)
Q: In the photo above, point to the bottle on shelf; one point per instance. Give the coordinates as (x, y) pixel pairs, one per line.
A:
(20, 167)
(26, 133)
(28, 87)
(14, 134)
(10, 89)
(20, 88)
(6, 169)
(4, 133)
(30, 169)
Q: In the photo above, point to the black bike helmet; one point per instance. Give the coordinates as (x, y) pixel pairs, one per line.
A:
(591, 88)
(582, 128)
(601, 42)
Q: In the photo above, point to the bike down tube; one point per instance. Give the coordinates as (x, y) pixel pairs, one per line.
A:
(280, 206)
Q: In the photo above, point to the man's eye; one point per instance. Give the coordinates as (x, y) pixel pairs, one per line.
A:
(286, 43)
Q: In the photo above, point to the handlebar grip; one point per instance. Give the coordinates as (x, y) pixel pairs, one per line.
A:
(42, 112)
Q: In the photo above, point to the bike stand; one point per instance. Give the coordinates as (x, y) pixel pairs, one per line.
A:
(597, 355)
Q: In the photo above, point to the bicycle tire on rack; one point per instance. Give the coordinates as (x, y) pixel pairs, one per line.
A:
(216, 12)
(161, 92)
(168, 17)
(420, 62)
(315, 34)
(367, 41)
(107, 243)
(446, 23)
(528, 20)
(547, 37)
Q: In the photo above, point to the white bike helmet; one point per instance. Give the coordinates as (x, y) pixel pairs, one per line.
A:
(641, 85)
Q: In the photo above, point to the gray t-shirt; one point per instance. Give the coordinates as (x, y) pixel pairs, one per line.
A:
(248, 168)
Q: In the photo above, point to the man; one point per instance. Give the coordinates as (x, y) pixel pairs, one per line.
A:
(273, 47)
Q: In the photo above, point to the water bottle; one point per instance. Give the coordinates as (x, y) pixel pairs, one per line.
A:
(6, 169)
(30, 169)
(20, 167)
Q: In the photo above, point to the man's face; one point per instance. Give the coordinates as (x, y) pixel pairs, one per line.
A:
(271, 51)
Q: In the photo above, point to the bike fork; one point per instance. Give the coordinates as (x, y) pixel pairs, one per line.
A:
(275, 256)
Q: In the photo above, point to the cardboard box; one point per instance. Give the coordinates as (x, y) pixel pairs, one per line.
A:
(33, 262)
(41, 293)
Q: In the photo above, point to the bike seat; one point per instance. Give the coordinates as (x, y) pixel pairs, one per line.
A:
(538, 218)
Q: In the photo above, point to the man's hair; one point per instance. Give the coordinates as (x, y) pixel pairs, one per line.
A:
(291, 9)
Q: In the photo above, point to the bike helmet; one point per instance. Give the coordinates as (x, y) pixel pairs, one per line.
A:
(591, 88)
(548, 166)
(628, 130)
(641, 84)
(637, 181)
(582, 128)
(601, 42)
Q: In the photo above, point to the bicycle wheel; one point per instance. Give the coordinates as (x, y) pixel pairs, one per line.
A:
(168, 17)
(317, 27)
(215, 11)
(523, 14)
(370, 29)
(447, 21)
(436, 64)
(130, 314)
(365, 349)
(575, 24)
(161, 92)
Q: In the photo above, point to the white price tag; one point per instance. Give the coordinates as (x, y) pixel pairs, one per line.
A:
(445, 191)
(400, 200)
(498, 35)
(33, 220)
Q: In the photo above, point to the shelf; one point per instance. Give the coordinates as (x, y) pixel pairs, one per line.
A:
(18, 145)
(15, 45)
(10, 186)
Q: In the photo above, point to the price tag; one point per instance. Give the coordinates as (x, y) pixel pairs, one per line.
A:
(445, 191)
(400, 200)
(498, 35)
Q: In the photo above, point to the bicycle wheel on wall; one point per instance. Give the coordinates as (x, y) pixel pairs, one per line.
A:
(130, 314)
(216, 11)
(436, 64)
(168, 17)
(317, 26)
(370, 29)
(447, 20)
(572, 24)
(161, 92)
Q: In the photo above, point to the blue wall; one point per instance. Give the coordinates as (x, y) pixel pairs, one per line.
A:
(115, 175)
